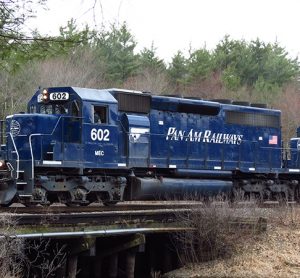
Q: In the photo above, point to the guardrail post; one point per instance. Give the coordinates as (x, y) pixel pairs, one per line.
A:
(72, 266)
(97, 267)
(130, 263)
(113, 266)
(167, 259)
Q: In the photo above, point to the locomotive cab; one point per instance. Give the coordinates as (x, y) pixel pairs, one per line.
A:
(85, 125)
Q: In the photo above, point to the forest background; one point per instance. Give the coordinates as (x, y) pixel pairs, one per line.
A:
(254, 71)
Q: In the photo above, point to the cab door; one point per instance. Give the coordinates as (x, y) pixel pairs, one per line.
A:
(100, 139)
(138, 140)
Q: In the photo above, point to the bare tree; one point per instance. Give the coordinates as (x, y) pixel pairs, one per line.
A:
(80, 68)
(150, 81)
(45, 258)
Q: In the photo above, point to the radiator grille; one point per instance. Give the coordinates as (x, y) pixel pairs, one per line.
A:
(134, 103)
(252, 119)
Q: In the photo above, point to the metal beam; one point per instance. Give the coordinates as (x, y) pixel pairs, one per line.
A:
(98, 233)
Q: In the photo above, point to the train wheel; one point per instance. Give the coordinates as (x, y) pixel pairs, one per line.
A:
(84, 204)
(109, 203)
(72, 204)
(30, 205)
(45, 205)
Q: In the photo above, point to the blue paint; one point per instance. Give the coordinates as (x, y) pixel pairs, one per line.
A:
(198, 141)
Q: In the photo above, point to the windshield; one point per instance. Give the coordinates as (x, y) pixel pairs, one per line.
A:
(57, 109)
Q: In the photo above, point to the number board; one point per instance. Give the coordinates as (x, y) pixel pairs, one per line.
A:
(59, 96)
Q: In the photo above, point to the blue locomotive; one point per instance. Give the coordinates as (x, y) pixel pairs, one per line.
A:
(78, 145)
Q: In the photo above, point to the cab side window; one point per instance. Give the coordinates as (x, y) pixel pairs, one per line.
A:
(32, 109)
(75, 108)
(100, 115)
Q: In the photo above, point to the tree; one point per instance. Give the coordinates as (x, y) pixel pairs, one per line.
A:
(278, 69)
(265, 67)
(177, 70)
(150, 75)
(233, 59)
(200, 64)
(229, 52)
(17, 47)
(13, 15)
(116, 48)
(148, 60)
(69, 40)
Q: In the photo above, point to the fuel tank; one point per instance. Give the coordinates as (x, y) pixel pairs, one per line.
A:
(160, 188)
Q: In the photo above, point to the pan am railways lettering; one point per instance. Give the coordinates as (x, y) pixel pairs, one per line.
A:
(206, 136)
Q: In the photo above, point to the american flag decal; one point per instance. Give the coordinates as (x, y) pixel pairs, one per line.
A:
(273, 139)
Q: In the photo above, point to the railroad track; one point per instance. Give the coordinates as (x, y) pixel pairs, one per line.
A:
(132, 215)
(133, 206)
(58, 220)
(120, 218)
(124, 206)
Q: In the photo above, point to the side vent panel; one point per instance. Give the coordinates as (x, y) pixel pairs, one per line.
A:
(136, 103)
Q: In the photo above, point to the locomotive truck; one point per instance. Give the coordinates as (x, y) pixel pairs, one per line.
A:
(78, 145)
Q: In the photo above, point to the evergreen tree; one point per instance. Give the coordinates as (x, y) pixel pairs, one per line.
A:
(200, 64)
(272, 63)
(255, 64)
(148, 60)
(177, 69)
(116, 48)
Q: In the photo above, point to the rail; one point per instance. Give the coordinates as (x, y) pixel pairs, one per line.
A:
(98, 233)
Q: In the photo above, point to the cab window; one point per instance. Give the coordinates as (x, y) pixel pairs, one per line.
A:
(46, 109)
(32, 109)
(100, 115)
(58, 109)
(75, 109)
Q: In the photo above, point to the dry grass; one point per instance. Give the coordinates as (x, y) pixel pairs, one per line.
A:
(11, 249)
(275, 253)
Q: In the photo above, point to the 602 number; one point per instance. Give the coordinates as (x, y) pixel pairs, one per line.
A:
(100, 134)
(59, 96)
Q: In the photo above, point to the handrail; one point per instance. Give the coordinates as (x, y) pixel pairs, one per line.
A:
(1, 131)
(122, 126)
(18, 157)
(31, 153)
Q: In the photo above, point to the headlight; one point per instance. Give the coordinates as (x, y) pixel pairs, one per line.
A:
(2, 164)
(45, 95)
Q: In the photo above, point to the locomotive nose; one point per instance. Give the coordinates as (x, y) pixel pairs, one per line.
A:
(26, 135)
(26, 124)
